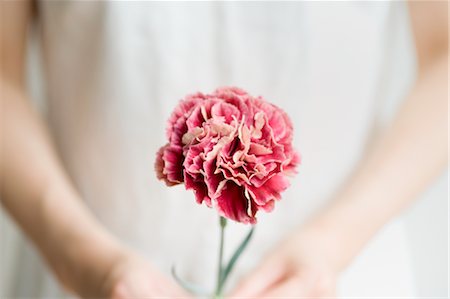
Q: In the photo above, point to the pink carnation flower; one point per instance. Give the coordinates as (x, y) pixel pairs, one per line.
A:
(233, 150)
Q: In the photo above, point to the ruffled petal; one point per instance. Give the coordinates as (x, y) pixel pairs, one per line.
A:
(233, 204)
(233, 150)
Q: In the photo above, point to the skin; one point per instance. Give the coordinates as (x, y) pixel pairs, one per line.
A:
(90, 262)
(412, 152)
(37, 192)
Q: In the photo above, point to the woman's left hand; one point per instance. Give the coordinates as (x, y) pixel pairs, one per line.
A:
(296, 268)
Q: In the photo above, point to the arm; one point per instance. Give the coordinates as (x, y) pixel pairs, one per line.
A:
(35, 189)
(405, 159)
(412, 152)
(409, 155)
(38, 194)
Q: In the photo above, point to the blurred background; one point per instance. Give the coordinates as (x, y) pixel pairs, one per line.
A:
(427, 221)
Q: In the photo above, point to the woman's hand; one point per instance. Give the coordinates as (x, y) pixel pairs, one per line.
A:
(408, 155)
(133, 277)
(296, 268)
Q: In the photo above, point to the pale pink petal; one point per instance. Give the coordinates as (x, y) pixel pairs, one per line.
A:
(232, 149)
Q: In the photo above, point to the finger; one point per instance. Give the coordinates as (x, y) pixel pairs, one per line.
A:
(176, 291)
(169, 288)
(291, 288)
(301, 286)
(268, 273)
(325, 287)
(120, 291)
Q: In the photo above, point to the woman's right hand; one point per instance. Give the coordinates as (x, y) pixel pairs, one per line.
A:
(132, 277)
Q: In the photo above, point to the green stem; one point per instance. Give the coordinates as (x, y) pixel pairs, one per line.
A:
(218, 292)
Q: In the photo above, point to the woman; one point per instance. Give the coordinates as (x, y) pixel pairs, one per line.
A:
(84, 192)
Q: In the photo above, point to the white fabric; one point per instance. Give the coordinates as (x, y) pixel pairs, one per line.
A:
(115, 70)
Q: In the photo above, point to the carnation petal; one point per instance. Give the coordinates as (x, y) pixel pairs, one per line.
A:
(270, 190)
(232, 149)
(199, 188)
(233, 204)
(173, 164)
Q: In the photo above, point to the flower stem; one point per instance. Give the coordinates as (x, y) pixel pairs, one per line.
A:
(218, 292)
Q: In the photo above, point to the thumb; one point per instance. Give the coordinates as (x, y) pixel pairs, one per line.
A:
(266, 274)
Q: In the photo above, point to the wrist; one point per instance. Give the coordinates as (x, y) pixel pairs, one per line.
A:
(89, 262)
(78, 248)
(336, 239)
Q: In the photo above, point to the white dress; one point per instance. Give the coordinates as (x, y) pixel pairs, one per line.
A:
(115, 70)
